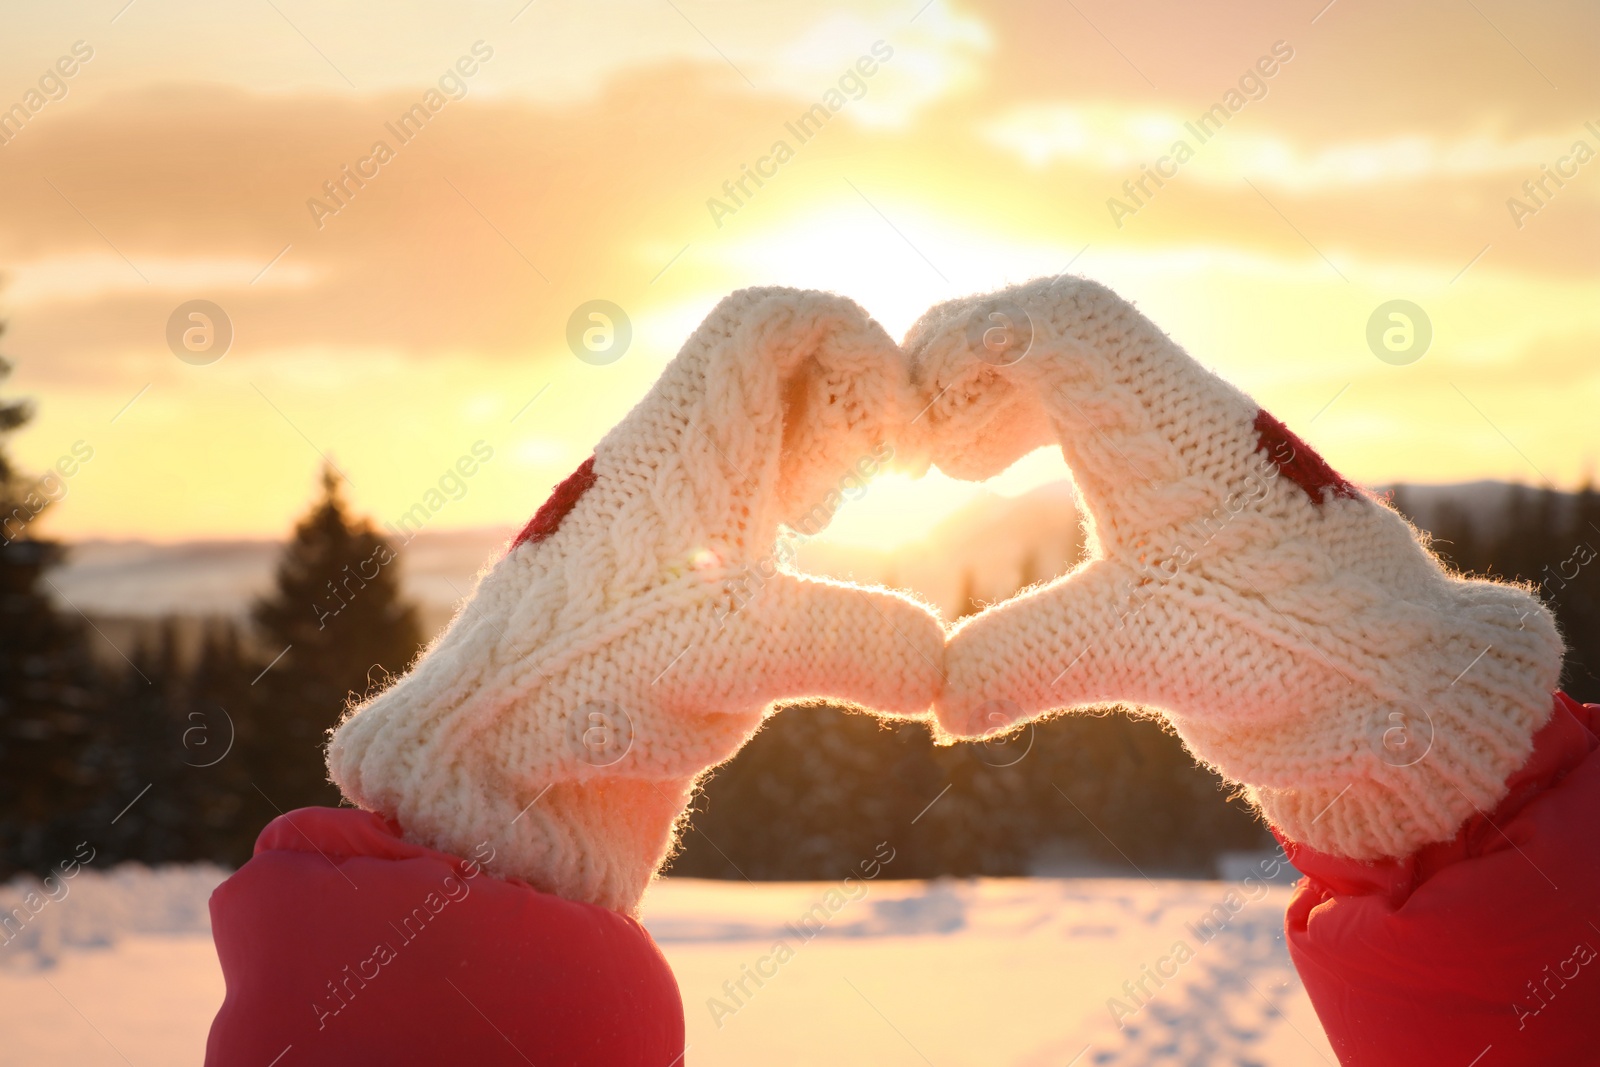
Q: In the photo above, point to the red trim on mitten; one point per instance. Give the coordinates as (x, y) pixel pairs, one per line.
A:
(562, 500)
(1298, 461)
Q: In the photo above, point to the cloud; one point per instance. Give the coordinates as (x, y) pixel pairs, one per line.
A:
(557, 51)
(89, 276)
(433, 305)
(1116, 139)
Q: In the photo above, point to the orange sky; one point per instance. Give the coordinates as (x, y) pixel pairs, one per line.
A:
(576, 161)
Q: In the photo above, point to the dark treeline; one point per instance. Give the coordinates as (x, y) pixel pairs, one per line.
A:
(817, 789)
(1545, 538)
(180, 748)
(164, 753)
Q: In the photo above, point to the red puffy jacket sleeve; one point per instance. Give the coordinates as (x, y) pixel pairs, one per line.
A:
(1483, 951)
(343, 944)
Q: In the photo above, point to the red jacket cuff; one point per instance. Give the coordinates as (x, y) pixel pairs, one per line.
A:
(348, 944)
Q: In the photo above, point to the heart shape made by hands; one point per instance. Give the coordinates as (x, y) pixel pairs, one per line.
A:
(639, 628)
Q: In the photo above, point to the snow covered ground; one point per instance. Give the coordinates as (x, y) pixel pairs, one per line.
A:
(982, 972)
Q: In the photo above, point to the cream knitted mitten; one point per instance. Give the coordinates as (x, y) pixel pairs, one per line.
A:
(635, 633)
(1293, 629)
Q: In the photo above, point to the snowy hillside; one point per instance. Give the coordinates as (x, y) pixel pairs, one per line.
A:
(952, 973)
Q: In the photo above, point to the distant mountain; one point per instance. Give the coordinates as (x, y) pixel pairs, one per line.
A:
(983, 553)
(1483, 502)
(140, 579)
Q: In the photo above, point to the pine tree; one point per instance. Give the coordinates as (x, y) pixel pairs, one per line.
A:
(1400, 498)
(1544, 540)
(217, 732)
(333, 629)
(1456, 538)
(168, 753)
(145, 812)
(47, 701)
(1580, 619)
(1510, 555)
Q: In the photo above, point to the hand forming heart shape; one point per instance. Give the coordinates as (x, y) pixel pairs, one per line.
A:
(639, 628)
(634, 635)
(1290, 627)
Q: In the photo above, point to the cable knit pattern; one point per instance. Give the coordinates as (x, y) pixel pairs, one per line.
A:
(638, 630)
(1293, 629)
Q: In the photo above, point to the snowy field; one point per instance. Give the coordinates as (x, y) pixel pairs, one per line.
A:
(947, 973)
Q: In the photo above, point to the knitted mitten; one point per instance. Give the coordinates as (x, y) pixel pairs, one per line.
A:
(636, 631)
(1291, 627)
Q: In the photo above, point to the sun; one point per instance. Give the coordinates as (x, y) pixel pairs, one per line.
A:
(897, 510)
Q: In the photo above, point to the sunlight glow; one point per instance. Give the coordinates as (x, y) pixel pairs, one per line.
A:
(898, 510)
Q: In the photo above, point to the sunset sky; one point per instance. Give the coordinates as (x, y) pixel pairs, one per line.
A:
(577, 160)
